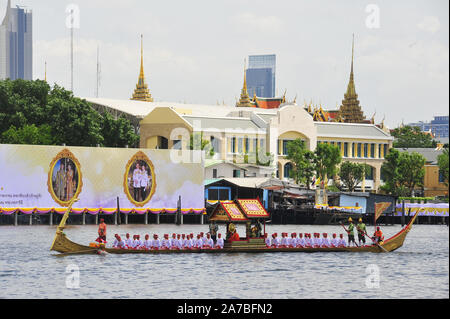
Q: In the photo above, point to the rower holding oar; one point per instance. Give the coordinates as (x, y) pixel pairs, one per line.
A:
(361, 227)
(351, 232)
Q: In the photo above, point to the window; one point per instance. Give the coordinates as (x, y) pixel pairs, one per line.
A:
(262, 144)
(372, 150)
(379, 150)
(287, 170)
(285, 144)
(345, 149)
(215, 173)
(247, 145)
(233, 145)
(366, 150)
(359, 150)
(240, 145)
(177, 144)
(385, 149)
(215, 143)
(255, 145)
(353, 150)
(236, 173)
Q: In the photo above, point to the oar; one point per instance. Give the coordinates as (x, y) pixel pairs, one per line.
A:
(348, 233)
(365, 233)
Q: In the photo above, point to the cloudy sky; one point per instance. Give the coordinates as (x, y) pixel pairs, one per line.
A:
(195, 50)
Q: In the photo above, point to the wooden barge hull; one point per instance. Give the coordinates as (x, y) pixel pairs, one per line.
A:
(64, 245)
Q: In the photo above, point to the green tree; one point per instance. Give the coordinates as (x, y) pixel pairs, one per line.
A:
(443, 165)
(28, 134)
(402, 172)
(197, 142)
(412, 137)
(327, 158)
(351, 174)
(29, 108)
(303, 170)
(118, 132)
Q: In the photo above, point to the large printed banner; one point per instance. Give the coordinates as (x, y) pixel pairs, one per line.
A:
(50, 176)
(440, 210)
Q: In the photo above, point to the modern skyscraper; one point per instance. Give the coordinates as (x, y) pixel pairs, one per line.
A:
(16, 44)
(261, 75)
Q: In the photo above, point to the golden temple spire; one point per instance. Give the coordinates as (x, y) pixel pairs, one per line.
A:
(244, 101)
(350, 109)
(142, 93)
(351, 85)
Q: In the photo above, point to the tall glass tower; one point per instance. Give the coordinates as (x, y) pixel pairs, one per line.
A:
(261, 75)
(16, 44)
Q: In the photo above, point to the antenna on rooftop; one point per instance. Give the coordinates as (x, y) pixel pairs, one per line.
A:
(98, 72)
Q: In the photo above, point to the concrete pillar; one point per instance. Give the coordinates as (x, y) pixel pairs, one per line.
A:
(115, 218)
(15, 218)
(96, 219)
(182, 219)
(202, 219)
(51, 219)
(146, 219)
(84, 218)
(31, 219)
(126, 219)
(157, 219)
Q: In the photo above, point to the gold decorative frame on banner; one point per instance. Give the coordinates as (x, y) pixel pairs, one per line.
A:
(66, 155)
(139, 157)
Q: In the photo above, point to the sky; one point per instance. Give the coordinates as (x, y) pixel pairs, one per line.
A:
(194, 50)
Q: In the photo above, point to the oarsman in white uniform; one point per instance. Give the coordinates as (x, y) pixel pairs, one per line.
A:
(118, 242)
(187, 242)
(165, 243)
(275, 241)
(173, 242)
(267, 240)
(202, 235)
(147, 244)
(283, 242)
(128, 241)
(191, 241)
(325, 241)
(342, 241)
(219, 242)
(308, 241)
(199, 242)
(179, 242)
(209, 244)
(334, 241)
(137, 243)
(292, 243)
(300, 241)
(156, 243)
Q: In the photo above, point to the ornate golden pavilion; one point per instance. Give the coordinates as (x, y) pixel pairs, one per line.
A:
(142, 93)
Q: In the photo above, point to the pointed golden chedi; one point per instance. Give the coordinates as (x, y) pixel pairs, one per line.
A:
(350, 109)
(244, 101)
(142, 93)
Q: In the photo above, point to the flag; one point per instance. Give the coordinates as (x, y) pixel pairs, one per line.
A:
(380, 208)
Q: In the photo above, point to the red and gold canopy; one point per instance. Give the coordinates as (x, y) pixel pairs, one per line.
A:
(252, 208)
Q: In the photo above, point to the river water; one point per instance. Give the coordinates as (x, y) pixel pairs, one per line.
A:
(419, 269)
